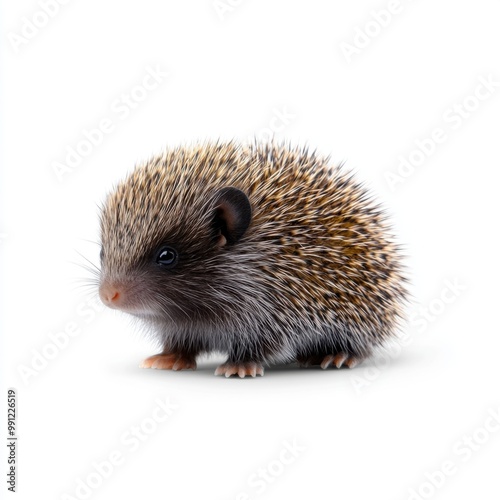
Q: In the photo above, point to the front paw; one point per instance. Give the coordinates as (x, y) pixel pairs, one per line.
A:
(169, 362)
(249, 368)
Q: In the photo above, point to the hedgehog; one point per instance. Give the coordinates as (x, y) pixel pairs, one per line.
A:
(265, 253)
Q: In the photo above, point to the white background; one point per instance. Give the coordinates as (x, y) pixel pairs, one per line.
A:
(379, 431)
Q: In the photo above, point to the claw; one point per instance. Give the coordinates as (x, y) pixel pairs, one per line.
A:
(340, 359)
(250, 368)
(352, 362)
(327, 361)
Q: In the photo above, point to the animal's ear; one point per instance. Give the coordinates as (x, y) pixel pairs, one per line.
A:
(233, 214)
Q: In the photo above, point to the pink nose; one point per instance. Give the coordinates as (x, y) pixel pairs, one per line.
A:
(110, 295)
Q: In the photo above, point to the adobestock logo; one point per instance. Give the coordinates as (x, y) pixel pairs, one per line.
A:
(58, 341)
(462, 451)
(453, 119)
(421, 319)
(425, 315)
(280, 120)
(266, 475)
(121, 108)
(31, 27)
(365, 34)
(130, 442)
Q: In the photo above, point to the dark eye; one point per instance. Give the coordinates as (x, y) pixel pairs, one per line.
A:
(167, 257)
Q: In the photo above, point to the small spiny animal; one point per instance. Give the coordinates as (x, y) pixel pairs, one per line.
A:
(263, 252)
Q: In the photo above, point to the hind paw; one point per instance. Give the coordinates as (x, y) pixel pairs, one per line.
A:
(339, 360)
(250, 368)
(169, 362)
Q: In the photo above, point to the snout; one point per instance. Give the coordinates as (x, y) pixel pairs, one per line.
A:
(111, 295)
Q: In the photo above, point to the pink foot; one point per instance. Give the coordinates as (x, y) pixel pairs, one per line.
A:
(250, 368)
(169, 362)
